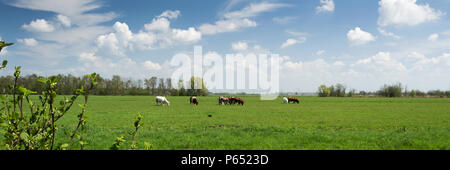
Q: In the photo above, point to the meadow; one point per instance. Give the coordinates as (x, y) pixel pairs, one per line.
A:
(314, 124)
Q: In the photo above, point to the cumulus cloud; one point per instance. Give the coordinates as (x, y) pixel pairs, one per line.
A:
(158, 24)
(359, 37)
(236, 20)
(406, 12)
(157, 34)
(239, 46)
(326, 6)
(188, 36)
(382, 62)
(39, 25)
(152, 66)
(433, 37)
(28, 41)
(64, 20)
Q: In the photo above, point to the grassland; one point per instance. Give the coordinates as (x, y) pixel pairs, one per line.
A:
(315, 123)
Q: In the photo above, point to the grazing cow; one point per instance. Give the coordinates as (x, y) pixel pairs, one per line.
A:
(224, 100)
(239, 101)
(293, 100)
(162, 100)
(194, 100)
(285, 100)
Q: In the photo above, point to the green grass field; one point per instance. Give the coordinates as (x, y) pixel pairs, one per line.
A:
(314, 124)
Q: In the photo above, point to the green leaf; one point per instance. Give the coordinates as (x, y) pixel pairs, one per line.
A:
(25, 137)
(5, 62)
(42, 80)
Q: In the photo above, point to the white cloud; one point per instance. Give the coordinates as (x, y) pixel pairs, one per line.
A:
(289, 42)
(433, 37)
(39, 25)
(236, 20)
(388, 34)
(300, 38)
(75, 10)
(155, 35)
(152, 66)
(67, 7)
(406, 12)
(320, 52)
(359, 37)
(254, 9)
(326, 6)
(382, 62)
(64, 20)
(110, 43)
(226, 26)
(239, 46)
(88, 57)
(170, 14)
(338, 64)
(158, 24)
(28, 41)
(189, 36)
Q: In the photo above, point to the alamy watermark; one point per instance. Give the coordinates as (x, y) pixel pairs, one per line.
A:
(258, 73)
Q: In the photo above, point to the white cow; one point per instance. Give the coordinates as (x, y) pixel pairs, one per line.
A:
(162, 100)
(285, 100)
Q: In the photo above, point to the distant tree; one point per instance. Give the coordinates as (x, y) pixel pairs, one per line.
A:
(420, 93)
(153, 83)
(332, 91)
(200, 90)
(363, 93)
(182, 90)
(436, 93)
(412, 93)
(340, 90)
(324, 91)
(351, 93)
(391, 90)
(161, 87)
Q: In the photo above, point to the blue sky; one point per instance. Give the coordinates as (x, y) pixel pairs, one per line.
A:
(362, 44)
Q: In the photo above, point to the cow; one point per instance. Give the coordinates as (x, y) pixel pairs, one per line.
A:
(194, 100)
(285, 100)
(224, 100)
(239, 101)
(162, 100)
(293, 100)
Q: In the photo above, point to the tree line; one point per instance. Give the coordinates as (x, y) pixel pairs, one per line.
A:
(394, 90)
(116, 86)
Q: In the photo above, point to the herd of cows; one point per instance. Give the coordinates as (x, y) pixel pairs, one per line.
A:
(160, 100)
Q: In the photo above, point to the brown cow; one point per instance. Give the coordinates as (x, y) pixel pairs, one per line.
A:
(194, 100)
(224, 100)
(293, 99)
(240, 101)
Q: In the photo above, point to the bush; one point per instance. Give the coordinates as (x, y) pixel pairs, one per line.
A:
(412, 93)
(36, 129)
(436, 93)
(324, 91)
(391, 90)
